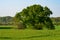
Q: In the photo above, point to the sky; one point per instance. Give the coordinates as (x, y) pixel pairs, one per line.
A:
(11, 7)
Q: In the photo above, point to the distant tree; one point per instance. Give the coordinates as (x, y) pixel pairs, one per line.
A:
(36, 17)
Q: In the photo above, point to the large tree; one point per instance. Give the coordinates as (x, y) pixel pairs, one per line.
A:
(36, 17)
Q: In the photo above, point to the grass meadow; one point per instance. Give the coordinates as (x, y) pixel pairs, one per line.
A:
(29, 34)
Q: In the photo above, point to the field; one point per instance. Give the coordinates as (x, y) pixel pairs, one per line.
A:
(29, 34)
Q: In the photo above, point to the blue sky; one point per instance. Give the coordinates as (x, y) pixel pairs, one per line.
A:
(10, 7)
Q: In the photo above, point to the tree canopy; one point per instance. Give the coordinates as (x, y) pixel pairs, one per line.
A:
(35, 16)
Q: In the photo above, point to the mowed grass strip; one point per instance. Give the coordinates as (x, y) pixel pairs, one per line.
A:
(7, 27)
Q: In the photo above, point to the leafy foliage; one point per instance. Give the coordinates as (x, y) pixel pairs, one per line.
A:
(35, 16)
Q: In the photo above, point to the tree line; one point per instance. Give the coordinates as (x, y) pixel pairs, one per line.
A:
(7, 20)
(56, 20)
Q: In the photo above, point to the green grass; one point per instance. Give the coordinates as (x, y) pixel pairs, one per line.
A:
(12, 34)
(29, 34)
(57, 27)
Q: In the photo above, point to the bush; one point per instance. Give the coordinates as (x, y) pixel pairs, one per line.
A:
(21, 26)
